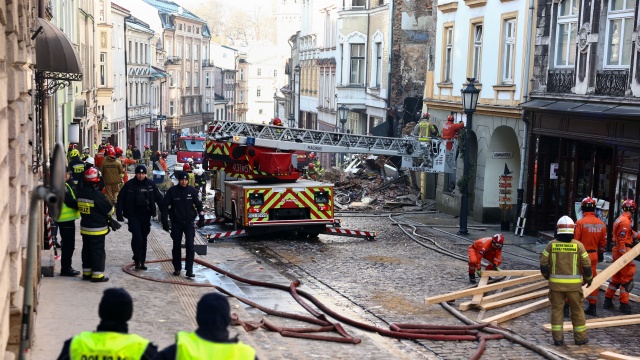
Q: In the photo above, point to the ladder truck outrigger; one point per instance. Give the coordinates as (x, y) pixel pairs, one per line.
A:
(258, 184)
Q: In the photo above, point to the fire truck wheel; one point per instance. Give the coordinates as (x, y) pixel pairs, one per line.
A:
(217, 208)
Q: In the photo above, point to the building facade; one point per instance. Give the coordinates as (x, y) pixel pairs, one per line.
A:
(112, 83)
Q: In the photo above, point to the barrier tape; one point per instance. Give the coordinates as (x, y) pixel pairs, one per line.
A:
(347, 232)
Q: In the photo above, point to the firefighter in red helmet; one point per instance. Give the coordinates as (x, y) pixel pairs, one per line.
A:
(450, 130)
(592, 233)
(489, 248)
(276, 122)
(624, 238)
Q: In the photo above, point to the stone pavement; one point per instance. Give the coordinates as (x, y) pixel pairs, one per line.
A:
(69, 305)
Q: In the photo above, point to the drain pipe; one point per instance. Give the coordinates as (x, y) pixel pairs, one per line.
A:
(525, 92)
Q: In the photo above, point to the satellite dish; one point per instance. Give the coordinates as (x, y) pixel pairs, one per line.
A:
(57, 186)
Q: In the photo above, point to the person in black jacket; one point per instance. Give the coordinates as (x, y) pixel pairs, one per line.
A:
(137, 202)
(181, 202)
(76, 166)
(111, 340)
(213, 317)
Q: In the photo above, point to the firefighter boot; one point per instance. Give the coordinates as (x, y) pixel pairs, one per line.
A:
(625, 309)
(582, 342)
(608, 303)
(591, 310)
(472, 278)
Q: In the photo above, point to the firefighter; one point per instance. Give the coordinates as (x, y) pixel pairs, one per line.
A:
(427, 130)
(95, 210)
(624, 238)
(71, 148)
(67, 227)
(450, 130)
(163, 161)
(276, 122)
(113, 173)
(489, 248)
(592, 233)
(137, 202)
(129, 153)
(182, 203)
(147, 155)
(89, 164)
(99, 158)
(200, 179)
(565, 263)
(213, 316)
(76, 166)
(192, 178)
(85, 153)
(111, 340)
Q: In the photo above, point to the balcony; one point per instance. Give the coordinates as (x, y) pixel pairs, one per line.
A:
(561, 81)
(612, 82)
(173, 60)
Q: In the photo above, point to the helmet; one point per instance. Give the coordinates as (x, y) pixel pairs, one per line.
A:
(85, 148)
(74, 153)
(190, 160)
(158, 153)
(426, 116)
(186, 167)
(165, 154)
(118, 150)
(588, 204)
(129, 146)
(90, 160)
(450, 118)
(565, 225)
(146, 146)
(497, 241)
(277, 122)
(111, 151)
(92, 175)
(629, 205)
(311, 166)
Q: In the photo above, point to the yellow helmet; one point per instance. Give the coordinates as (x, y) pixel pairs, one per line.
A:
(74, 153)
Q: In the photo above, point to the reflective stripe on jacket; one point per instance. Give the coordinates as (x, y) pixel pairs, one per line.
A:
(191, 346)
(67, 213)
(107, 345)
(565, 261)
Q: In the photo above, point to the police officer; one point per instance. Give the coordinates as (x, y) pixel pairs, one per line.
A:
(95, 210)
(212, 336)
(137, 202)
(565, 263)
(181, 202)
(76, 166)
(111, 340)
(67, 227)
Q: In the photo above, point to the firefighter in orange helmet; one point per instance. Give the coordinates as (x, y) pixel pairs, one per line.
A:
(489, 248)
(450, 130)
(592, 233)
(624, 238)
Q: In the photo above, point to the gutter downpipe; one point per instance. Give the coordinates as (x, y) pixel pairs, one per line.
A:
(126, 84)
(525, 92)
(390, 47)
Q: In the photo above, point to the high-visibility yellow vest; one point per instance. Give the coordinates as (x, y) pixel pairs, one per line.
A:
(107, 345)
(191, 346)
(67, 213)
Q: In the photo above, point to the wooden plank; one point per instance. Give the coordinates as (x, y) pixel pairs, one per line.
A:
(547, 326)
(477, 298)
(605, 274)
(477, 290)
(513, 300)
(599, 324)
(632, 297)
(610, 355)
(517, 312)
(507, 294)
(510, 272)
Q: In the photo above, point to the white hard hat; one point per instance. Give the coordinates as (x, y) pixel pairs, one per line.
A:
(86, 147)
(190, 160)
(90, 161)
(565, 225)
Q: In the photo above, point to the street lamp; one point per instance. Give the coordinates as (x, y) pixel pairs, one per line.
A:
(343, 111)
(469, 102)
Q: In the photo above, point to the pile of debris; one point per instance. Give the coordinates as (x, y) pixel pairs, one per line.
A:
(372, 182)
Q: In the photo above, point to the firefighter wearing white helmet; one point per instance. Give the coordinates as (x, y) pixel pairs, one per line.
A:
(566, 264)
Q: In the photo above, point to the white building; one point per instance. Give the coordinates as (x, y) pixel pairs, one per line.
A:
(261, 79)
(112, 76)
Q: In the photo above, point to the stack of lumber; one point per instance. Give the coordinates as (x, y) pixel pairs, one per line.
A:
(597, 323)
(610, 355)
(536, 287)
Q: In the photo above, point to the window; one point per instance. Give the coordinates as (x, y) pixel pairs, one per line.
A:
(197, 30)
(207, 106)
(358, 3)
(448, 54)
(357, 64)
(187, 80)
(195, 52)
(189, 28)
(168, 47)
(241, 74)
(258, 92)
(378, 80)
(171, 107)
(207, 79)
(260, 111)
(195, 105)
(137, 55)
(179, 26)
(130, 50)
(566, 33)
(187, 106)
(103, 69)
(619, 33)
(196, 78)
(179, 78)
(171, 76)
(187, 51)
(275, 73)
(476, 65)
(241, 96)
(509, 41)
(259, 71)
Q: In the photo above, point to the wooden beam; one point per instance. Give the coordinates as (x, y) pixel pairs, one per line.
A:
(610, 355)
(547, 326)
(513, 300)
(599, 324)
(481, 290)
(605, 274)
(477, 298)
(510, 272)
(517, 312)
(514, 292)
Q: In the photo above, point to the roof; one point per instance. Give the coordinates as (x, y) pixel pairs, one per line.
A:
(54, 52)
(606, 109)
(158, 73)
(167, 8)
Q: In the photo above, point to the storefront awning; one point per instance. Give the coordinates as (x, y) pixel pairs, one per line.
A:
(55, 56)
(582, 107)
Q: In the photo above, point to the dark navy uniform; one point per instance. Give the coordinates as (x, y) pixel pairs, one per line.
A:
(181, 203)
(137, 202)
(95, 210)
(76, 166)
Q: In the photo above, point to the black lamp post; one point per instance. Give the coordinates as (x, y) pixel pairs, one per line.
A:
(342, 114)
(470, 96)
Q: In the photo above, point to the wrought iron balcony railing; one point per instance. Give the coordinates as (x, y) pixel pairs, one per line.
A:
(612, 82)
(560, 81)
(173, 60)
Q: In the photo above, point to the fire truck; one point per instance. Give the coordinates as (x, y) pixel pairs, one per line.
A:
(258, 183)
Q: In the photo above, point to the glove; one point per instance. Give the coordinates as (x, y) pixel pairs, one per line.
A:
(120, 218)
(165, 225)
(600, 257)
(589, 282)
(495, 267)
(479, 272)
(114, 225)
(201, 221)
